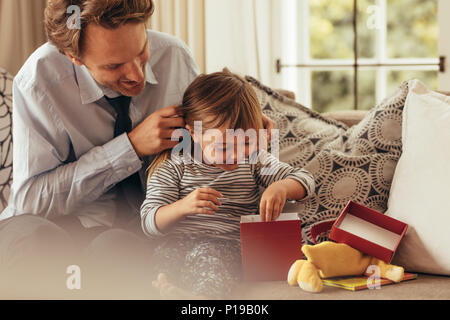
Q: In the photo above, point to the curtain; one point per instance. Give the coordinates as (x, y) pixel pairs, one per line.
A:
(21, 31)
(222, 33)
(184, 19)
(238, 36)
(232, 33)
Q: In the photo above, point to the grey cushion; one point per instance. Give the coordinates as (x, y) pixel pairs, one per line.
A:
(5, 137)
(356, 163)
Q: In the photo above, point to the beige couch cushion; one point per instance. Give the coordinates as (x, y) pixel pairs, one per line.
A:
(349, 117)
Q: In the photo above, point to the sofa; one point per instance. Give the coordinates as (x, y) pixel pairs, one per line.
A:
(425, 287)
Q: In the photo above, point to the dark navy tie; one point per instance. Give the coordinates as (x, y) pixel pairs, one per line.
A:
(123, 125)
(122, 106)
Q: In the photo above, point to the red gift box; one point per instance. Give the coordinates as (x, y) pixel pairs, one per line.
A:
(269, 248)
(368, 231)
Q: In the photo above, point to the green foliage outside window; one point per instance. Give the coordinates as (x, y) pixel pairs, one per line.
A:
(412, 32)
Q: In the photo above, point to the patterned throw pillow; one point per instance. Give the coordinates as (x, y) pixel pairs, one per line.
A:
(5, 137)
(356, 163)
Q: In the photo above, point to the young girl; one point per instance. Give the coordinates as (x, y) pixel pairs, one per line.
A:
(195, 206)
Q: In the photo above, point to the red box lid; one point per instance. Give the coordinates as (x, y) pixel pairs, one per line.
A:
(359, 242)
(269, 249)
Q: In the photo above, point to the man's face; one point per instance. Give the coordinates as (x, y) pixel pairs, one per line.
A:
(117, 58)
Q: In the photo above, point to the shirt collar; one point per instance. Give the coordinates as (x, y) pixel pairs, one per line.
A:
(91, 90)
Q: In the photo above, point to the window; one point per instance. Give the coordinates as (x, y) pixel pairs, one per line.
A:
(350, 54)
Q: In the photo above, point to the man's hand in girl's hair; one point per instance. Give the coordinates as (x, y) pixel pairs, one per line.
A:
(199, 201)
(154, 134)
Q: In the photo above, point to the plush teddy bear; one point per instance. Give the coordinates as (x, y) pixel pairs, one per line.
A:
(330, 259)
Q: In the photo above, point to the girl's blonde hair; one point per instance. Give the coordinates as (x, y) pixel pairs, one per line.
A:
(215, 99)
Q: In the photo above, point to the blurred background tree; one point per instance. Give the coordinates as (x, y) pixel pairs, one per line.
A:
(412, 32)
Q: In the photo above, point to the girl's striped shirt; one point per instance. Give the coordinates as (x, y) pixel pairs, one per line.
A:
(175, 179)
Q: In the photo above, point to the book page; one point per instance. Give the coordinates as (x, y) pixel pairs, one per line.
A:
(370, 232)
(257, 217)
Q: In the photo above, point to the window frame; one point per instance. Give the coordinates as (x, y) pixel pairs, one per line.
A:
(295, 65)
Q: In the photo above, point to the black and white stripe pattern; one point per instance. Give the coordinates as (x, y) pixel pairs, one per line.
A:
(174, 180)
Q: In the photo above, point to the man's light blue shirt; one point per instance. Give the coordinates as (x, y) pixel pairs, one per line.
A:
(66, 159)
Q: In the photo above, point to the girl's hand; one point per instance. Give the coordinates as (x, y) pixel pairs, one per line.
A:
(273, 201)
(200, 201)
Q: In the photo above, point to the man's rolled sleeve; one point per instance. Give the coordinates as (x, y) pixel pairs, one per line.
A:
(122, 157)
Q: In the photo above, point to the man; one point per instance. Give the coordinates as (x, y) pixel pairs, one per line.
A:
(90, 113)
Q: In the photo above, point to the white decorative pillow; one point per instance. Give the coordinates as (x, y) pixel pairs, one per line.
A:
(420, 191)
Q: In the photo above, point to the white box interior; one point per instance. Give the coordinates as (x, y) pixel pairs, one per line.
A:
(370, 232)
(257, 217)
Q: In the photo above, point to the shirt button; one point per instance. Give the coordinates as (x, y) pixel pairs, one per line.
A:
(130, 169)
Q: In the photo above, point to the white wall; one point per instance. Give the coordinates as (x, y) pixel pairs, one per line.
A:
(444, 42)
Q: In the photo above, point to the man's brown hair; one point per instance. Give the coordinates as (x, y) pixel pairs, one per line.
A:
(109, 14)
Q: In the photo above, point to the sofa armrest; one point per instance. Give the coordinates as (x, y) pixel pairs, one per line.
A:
(286, 93)
(349, 117)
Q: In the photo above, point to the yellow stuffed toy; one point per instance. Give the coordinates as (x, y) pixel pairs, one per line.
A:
(329, 259)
